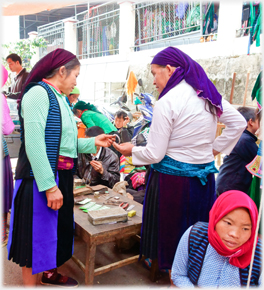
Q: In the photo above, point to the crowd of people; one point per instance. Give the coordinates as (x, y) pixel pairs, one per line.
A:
(198, 223)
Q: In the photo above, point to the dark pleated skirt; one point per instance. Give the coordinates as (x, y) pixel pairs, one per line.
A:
(172, 204)
(8, 184)
(41, 238)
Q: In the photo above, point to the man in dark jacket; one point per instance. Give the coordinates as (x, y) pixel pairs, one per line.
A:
(101, 167)
(233, 174)
(15, 65)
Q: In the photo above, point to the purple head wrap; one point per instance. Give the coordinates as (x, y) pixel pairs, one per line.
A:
(49, 62)
(191, 72)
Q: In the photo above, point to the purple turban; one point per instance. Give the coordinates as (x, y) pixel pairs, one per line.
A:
(191, 72)
(49, 62)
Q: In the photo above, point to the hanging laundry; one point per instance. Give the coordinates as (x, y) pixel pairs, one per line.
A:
(257, 91)
(181, 9)
(255, 22)
(113, 29)
(209, 20)
(193, 18)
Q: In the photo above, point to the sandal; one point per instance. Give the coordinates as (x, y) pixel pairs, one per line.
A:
(52, 278)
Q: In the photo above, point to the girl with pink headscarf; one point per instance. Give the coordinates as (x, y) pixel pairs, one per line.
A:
(219, 253)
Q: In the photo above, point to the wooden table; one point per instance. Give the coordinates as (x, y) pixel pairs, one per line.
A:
(100, 234)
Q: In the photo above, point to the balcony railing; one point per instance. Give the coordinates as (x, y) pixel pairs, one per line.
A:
(98, 31)
(54, 35)
(156, 22)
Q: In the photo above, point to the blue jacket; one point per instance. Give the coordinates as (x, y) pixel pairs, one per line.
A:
(233, 174)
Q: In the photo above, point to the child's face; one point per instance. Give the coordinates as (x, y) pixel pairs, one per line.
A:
(119, 122)
(234, 229)
(255, 125)
(78, 113)
(73, 98)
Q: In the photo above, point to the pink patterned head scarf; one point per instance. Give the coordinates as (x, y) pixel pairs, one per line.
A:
(4, 75)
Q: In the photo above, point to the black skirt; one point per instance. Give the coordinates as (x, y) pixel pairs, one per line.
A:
(41, 238)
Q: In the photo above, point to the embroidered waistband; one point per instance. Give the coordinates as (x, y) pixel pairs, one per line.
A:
(173, 167)
(65, 163)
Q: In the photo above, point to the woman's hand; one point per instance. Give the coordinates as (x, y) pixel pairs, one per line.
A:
(54, 198)
(124, 148)
(104, 140)
(97, 165)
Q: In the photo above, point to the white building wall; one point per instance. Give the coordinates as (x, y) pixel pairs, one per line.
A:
(114, 68)
(9, 29)
(227, 45)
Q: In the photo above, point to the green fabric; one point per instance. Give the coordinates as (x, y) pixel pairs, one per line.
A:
(81, 105)
(35, 106)
(257, 29)
(75, 91)
(210, 14)
(255, 23)
(193, 17)
(255, 193)
(137, 101)
(91, 118)
(257, 89)
(137, 169)
(254, 190)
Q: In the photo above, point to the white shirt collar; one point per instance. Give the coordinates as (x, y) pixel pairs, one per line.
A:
(98, 154)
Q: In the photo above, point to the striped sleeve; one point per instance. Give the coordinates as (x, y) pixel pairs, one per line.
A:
(35, 106)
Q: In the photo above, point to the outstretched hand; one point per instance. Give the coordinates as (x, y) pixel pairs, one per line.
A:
(104, 140)
(124, 148)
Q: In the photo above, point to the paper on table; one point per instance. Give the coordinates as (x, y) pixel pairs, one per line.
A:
(84, 201)
(94, 207)
(104, 207)
(88, 205)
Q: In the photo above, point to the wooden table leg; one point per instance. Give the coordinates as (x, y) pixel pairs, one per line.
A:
(89, 263)
(154, 270)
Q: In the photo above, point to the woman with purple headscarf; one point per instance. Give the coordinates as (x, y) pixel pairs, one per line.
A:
(41, 223)
(181, 148)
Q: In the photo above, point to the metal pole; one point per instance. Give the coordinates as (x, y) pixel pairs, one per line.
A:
(24, 22)
(255, 241)
(201, 18)
(88, 32)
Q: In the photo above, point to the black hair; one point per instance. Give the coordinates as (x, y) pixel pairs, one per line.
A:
(94, 131)
(74, 110)
(14, 58)
(248, 113)
(69, 66)
(121, 114)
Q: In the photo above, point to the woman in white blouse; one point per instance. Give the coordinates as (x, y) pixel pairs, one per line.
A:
(181, 148)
